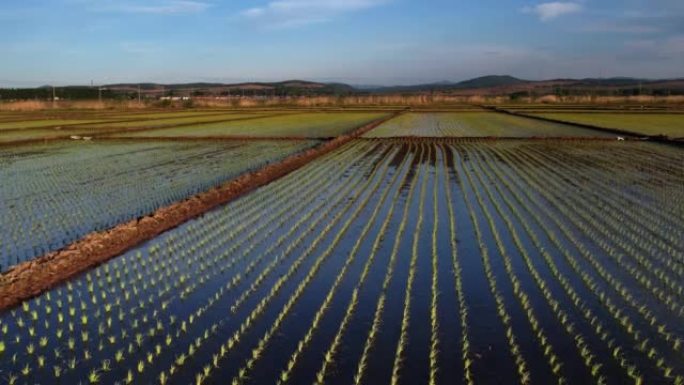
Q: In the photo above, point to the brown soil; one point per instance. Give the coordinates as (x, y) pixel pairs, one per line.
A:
(32, 278)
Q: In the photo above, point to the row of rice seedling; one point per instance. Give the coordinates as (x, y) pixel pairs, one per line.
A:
(612, 344)
(636, 179)
(589, 227)
(398, 179)
(626, 250)
(553, 360)
(599, 327)
(285, 374)
(475, 124)
(283, 378)
(466, 352)
(632, 316)
(545, 339)
(636, 241)
(64, 191)
(524, 375)
(317, 280)
(274, 293)
(359, 375)
(399, 356)
(434, 288)
(621, 316)
(193, 346)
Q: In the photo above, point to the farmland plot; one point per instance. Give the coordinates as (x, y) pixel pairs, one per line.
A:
(671, 125)
(475, 125)
(62, 128)
(63, 191)
(309, 125)
(437, 262)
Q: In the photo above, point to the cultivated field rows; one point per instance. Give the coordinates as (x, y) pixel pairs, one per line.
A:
(63, 191)
(475, 124)
(440, 262)
(310, 125)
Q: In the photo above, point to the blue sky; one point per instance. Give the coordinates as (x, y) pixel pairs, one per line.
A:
(354, 41)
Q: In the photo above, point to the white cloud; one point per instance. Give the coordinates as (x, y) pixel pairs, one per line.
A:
(294, 13)
(158, 7)
(549, 11)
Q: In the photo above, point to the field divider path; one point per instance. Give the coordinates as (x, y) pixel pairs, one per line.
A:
(490, 138)
(32, 278)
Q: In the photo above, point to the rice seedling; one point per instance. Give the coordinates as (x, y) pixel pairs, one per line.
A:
(571, 243)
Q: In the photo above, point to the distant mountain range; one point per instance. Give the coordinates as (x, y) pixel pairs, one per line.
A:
(289, 87)
(492, 85)
(507, 85)
(485, 85)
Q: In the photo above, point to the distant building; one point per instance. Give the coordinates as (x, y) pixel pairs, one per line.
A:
(175, 98)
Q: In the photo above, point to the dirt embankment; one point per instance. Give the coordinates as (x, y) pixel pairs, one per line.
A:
(214, 138)
(32, 278)
(430, 139)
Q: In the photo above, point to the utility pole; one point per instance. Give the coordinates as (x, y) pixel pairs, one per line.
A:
(99, 94)
(139, 97)
(54, 97)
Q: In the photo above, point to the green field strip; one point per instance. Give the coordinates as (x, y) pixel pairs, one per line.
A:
(671, 125)
(313, 125)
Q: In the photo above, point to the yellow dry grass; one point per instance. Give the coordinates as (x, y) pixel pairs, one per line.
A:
(388, 100)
